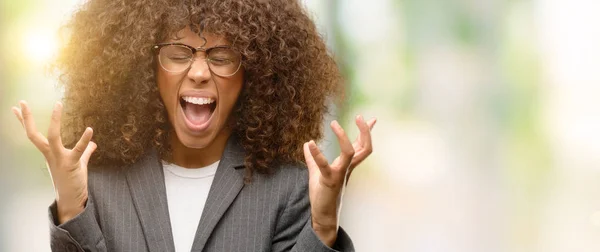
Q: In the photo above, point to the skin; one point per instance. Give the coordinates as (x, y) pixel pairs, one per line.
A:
(327, 181)
(198, 149)
(68, 167)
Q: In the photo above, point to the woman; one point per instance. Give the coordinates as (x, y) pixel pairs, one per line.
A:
(205, 115)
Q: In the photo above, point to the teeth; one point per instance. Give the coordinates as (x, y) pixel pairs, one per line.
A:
(198, 100)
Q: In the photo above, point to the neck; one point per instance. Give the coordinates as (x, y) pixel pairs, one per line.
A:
(196, 158)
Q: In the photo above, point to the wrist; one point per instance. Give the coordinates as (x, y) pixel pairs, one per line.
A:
(65, 215)
(326, 230)
(66, 212)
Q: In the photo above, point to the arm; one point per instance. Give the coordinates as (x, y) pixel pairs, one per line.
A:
(72, 223)
(80, 233)
(294, 231)
(327, 181)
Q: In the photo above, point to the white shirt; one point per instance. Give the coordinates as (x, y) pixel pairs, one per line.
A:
(187, 191)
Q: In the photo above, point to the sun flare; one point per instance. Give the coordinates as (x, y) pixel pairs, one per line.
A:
(39, 46)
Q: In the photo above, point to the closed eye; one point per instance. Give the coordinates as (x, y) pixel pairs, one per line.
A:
(220, 61)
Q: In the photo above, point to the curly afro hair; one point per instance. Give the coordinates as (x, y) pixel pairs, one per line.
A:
(108, 71)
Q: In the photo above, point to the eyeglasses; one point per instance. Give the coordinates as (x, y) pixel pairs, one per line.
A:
(176, 58)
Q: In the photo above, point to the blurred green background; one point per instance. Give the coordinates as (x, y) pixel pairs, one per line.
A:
(488, 117)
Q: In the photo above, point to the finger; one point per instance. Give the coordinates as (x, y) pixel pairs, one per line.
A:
(17, 113)
(82, 144)
(54, 129)
(358, 158)
(371, 123)
(363, 146)
(319, 158)
(89, 150)
(310, 161)
(363, 127)
(33, 134)
(347, 151)
(365, 135)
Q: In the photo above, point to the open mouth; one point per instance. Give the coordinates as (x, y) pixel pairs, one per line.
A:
(197, 110)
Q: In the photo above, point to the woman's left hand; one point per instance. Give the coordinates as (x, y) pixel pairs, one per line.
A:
(327, 181)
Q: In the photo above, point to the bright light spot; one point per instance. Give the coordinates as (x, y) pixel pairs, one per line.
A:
(595, 219)
(40, 46)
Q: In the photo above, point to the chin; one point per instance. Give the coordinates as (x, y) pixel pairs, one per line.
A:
(195, 141)
(195, 144)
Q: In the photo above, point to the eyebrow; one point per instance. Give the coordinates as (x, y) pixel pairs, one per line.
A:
(176, 39)
(205, 48)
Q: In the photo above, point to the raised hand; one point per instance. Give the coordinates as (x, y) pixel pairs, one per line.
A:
(68, 167)
(327, 181)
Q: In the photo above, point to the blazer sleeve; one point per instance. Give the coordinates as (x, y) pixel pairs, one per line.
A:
(81, 234)
(294, 230)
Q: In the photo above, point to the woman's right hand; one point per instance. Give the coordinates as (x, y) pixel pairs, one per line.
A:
(68, 167)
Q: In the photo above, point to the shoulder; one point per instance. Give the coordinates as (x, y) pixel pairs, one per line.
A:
(147, 166)
(289, 173)
(287, 181)
(298, 171)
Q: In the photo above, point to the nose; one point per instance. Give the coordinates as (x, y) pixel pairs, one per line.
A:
(199, 71)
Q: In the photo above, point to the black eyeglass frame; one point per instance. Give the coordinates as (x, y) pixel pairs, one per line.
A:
(156, 48)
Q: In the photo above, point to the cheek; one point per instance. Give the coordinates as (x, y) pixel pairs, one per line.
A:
(166, 88)
(231, 91)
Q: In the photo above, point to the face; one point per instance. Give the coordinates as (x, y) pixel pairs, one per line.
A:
(199, 103)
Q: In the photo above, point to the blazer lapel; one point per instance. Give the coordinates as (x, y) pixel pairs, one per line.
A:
(147, 187)
(228, 182)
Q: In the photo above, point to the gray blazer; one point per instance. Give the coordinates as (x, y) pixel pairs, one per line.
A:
(127, 211)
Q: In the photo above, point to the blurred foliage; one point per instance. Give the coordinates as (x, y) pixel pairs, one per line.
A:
(487, 110)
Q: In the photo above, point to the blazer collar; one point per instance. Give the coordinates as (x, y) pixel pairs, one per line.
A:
(147, 187)
(228, 182)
